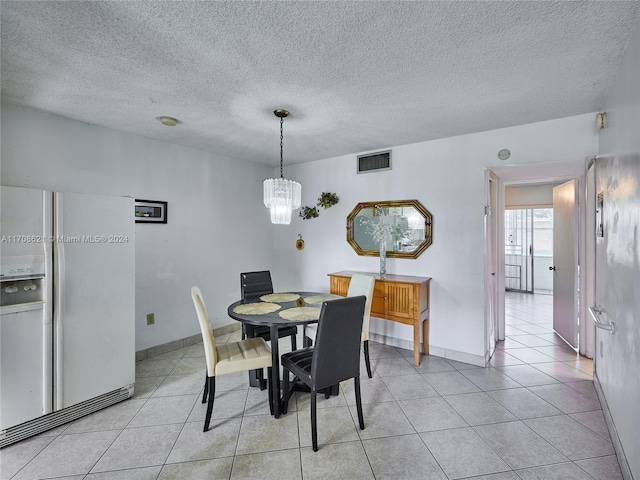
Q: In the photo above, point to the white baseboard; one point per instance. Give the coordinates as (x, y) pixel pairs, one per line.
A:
(184, 342)
(433, 350)
(463, 357)
(613, 433)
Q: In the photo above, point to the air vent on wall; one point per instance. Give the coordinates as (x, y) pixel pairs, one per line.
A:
(374, 162)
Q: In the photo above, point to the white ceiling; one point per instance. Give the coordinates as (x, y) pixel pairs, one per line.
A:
(356, 76)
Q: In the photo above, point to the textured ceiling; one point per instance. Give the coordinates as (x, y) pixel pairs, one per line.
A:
(356, 76)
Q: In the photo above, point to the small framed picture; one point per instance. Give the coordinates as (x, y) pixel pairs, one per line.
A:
(599, 215)
(151, 211)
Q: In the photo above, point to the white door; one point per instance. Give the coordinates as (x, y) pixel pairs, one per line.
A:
(565, 292)
(95, 290)
(491, 262)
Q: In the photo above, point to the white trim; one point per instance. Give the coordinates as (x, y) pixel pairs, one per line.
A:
(613, 433)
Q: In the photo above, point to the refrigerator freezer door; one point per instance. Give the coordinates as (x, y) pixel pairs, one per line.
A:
(24, 221)
(95, 292)
(25, 331)
(21, 364)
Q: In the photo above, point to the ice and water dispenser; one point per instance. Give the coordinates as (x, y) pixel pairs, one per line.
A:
(22, 280)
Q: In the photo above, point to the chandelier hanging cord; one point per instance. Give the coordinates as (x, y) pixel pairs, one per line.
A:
(281, 137)
(281, 113)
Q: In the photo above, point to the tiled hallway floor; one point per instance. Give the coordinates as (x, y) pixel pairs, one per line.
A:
(532, 414)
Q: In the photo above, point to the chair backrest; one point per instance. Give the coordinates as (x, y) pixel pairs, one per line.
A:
(363, 285)
(336, 353)
(255, 284)
(210, 352)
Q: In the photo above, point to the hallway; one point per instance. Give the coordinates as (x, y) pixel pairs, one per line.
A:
(530, 339)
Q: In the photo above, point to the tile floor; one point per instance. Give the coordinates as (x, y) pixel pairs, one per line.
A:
(532, 414)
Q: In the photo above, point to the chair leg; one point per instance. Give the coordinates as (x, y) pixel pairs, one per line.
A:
(314, 424)
(366, 357)
(294, 342)
(212, 395)
(260, 377)
(206, 387)
(359, 402)
(247, 331)
(270, 391)
(306, 341)
(285, 390)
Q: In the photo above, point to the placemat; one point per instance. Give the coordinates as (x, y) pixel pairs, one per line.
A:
(280, 297)
(318, 299)
(258, 308)
(300, 313)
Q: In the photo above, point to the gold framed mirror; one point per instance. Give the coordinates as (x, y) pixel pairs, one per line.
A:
(404, 225)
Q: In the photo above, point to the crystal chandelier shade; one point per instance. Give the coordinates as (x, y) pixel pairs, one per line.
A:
(281, 196)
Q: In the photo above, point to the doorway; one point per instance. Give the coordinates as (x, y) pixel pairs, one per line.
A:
(528, 250)
(521, 175)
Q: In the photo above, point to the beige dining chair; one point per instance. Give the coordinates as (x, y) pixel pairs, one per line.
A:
(249, 354)
(360, 284)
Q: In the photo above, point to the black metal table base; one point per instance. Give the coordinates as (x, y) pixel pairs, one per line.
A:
(295, 386)
(254, 381)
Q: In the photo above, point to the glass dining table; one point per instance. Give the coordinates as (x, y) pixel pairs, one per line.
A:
(276, 310)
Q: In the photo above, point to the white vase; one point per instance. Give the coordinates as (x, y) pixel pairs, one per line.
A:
(383, 258)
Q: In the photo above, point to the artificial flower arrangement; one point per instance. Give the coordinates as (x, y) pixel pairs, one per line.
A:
(308, 212)
(327, 200)
(383, 227)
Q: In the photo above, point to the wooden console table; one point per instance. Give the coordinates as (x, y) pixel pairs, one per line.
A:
(398, 298)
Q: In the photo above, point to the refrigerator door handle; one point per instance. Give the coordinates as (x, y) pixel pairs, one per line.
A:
(48, 335)
(58, 315)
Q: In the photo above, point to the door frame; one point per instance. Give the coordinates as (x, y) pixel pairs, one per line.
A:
(587, 255)
(494, 269)
(534, 173)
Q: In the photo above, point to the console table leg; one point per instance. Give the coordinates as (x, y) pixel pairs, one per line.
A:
(416, 343)
(425, 336)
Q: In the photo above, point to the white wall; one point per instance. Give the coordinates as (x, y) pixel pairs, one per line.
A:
(216, 222)
(527, 196)
(622, 104)
(618, 356)
(447, 177)
(207, 245)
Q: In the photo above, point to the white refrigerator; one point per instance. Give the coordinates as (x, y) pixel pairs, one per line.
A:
(67, 333)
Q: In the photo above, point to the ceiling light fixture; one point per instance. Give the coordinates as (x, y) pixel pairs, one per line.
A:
(168, 121)
(504, 154)
(281, 196)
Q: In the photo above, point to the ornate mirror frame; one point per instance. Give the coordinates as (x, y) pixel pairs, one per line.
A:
(369, 210)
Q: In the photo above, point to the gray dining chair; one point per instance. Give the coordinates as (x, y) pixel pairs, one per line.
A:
(253, 285)
(335, 357)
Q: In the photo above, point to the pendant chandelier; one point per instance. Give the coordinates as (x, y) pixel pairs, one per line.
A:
(281, 196)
